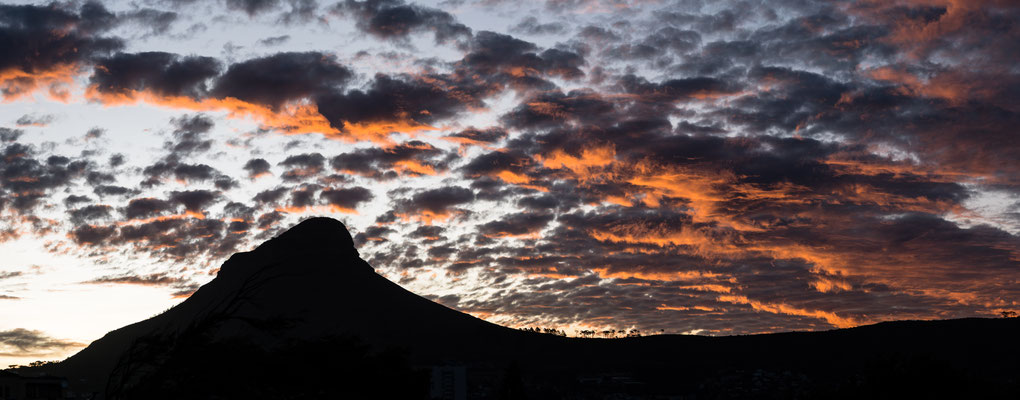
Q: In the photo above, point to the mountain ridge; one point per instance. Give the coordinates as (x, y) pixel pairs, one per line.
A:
(309, 284)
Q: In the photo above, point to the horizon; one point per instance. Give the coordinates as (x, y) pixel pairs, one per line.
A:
(716, 169)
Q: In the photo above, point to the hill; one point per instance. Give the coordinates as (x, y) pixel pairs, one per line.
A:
(303, 316)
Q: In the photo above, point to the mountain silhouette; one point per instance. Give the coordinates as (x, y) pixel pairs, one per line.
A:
(303, 316)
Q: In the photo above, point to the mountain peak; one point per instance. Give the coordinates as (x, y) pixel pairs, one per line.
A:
(317, 234)
(314, 238)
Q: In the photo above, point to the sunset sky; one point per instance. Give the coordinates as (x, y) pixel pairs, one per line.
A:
(689, 166)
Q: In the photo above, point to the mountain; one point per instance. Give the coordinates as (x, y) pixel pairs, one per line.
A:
(302, 316)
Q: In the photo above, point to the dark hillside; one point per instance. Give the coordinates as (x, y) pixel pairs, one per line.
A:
(302, 316)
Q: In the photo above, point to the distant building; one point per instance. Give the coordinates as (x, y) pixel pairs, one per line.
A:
(17, 387)
(448, 383)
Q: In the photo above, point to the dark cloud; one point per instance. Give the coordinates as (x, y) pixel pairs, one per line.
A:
(429, 233)
(269, 219)
(496, 162)
(556, 108)
(409, 158)
(72, 200)
(252, 7)
(684, 89)
(145, 280)
(41, 41)
(301, 11)
(392, 99)
(175, 239)
(194, 200)
(394, 19)
(531, 26)
(35, 120)
(374, 234)
(488, 135)
(190, 135)
(301, 167)
(276, 79)
(146, 207)
(164, 74)
(437, 202)
(158, 22)
(225, 183)
(271, 196)
(27, 179)
(92, 235)
(111, 190)
(304, 196)
(274, 40)
(509, 60)
(23, 342)
(10, 135)
(94, 133)
(257, 167)
(346, 198)
(193, 172)
(170, 167)
(663, 43)
(89, 213)
(516, 225)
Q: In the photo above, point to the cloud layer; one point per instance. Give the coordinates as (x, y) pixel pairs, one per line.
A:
(737, 169)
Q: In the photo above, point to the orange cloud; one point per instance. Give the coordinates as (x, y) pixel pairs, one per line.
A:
(293, 118)
(666, 276)
(16, 83)
(318, 209)
(781, 308)
(585, 167)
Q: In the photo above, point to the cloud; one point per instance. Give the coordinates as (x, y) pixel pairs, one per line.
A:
(189, 135)
(252, 7)
(274, 40)
(45, 46)
(346, 198)
(89, 213)
(531, 26)
(119, 77)
(523, 224)
(301, 167)
(276, 79)
(195, 201)
(35, 120)
(257, 167)
(434, 204)
(22, 342)
(27, 178)
(508, 60)
(10, 274)
(145, 208)
(394, 19)
(393, 104)
(727, 168)
(144, 280)
(412, 158)
(158, 22)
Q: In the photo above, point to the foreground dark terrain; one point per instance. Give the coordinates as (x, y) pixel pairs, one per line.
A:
(303, 317)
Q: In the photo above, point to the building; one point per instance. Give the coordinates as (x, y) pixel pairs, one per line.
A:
(448, 383)
(17, 387)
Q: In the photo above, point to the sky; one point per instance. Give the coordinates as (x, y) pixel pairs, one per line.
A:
(687, 167)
